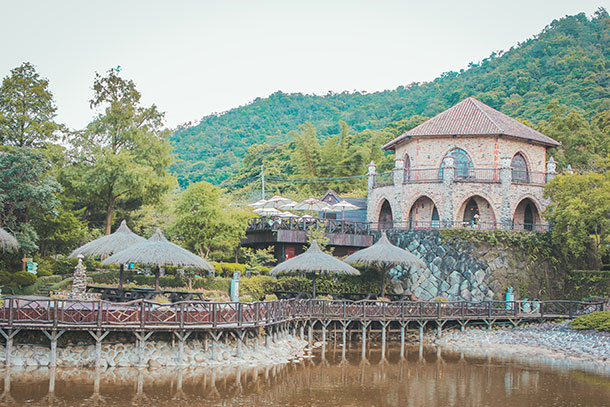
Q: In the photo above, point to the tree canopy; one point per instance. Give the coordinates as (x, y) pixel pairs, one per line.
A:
(27, 109)
(567, 62)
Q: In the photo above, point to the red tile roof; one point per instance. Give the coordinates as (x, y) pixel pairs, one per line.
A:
(472, 117)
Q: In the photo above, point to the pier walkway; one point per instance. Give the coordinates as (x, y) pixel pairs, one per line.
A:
(239, 320)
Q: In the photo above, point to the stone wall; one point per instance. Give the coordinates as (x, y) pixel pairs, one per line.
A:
(465, 270)
(196, 352)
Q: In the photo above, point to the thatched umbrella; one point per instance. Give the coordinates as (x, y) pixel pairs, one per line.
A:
(158, 251)
(121, 239)
(8, 241)
(383, 255)
(314, 261)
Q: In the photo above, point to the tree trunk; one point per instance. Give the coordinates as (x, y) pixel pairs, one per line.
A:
(313, 296)
(383, 283)
(121, 276)
(157, 273)
(109, 213)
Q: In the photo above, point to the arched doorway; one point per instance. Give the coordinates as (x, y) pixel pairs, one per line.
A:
(526, 216)
(471, 212)
(385, 215)
(477, 212)
(423, 214)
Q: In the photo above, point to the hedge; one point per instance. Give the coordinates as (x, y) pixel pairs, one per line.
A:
(596, 320)
(581, 284)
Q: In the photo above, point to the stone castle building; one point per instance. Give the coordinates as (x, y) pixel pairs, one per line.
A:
(471, 166)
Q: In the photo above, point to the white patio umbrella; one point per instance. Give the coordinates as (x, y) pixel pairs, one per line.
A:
(267, 212)
(312, 204)
(277, 202)
(345, 206)
(287, 215)
(258, 204)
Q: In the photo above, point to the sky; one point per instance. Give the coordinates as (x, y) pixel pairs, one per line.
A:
(199, 57)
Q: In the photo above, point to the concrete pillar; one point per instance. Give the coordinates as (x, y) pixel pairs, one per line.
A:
(98, 337)
(301, 331)
(372, 173)
(447, 214)
(399, 173)
(551, 169)
(365, 324)
(142, 338)
(384, 326)
(182, 337)
(403, 327)
(506, 178)
(53, 336)
(8, 337)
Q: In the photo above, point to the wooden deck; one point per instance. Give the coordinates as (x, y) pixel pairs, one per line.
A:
(143, 315)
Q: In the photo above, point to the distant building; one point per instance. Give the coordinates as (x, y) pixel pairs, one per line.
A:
(354, 215)
(470, 165)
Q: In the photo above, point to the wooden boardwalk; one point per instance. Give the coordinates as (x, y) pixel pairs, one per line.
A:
(143, 315)
(243, 321)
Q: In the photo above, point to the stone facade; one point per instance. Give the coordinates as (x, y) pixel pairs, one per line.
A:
(425, 173)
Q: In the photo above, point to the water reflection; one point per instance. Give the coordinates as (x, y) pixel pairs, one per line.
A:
(335, 376)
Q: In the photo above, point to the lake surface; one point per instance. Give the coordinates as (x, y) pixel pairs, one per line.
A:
(422, 379)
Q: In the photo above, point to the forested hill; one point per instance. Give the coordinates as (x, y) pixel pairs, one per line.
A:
(568, 61)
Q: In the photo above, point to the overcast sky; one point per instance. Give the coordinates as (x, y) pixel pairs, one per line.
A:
(194, 58)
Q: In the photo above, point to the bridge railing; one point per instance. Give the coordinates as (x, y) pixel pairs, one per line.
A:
(142, 314)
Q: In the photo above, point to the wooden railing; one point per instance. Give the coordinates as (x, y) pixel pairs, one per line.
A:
(20, 312)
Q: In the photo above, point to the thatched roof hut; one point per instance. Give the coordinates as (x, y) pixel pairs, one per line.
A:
(8, 241)
(158, 251)
(383, 255)
(108, 245)
(314, 261)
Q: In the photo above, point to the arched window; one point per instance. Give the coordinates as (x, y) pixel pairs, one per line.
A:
(461, 161)
(519, 166)
(407, 162)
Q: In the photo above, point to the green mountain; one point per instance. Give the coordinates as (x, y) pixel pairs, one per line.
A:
(568, 62)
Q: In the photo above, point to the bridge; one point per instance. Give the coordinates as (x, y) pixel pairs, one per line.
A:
(239, 320)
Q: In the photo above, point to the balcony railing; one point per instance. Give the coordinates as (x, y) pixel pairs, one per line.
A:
(384, 178)
(333, 226)
(528, 177)
(477, 174)
(412, 175)
(462, 174)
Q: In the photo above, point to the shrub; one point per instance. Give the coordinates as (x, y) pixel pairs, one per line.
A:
(212, 283)
(23, 278)
(596, 320)
(246, 298)
(270, 297)
(257, 286)
(227, 269)
(587, 283)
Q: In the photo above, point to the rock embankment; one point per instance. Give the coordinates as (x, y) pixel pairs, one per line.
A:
(159, 354)
(553, 342)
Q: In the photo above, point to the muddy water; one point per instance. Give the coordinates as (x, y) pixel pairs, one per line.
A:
(421, 379)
